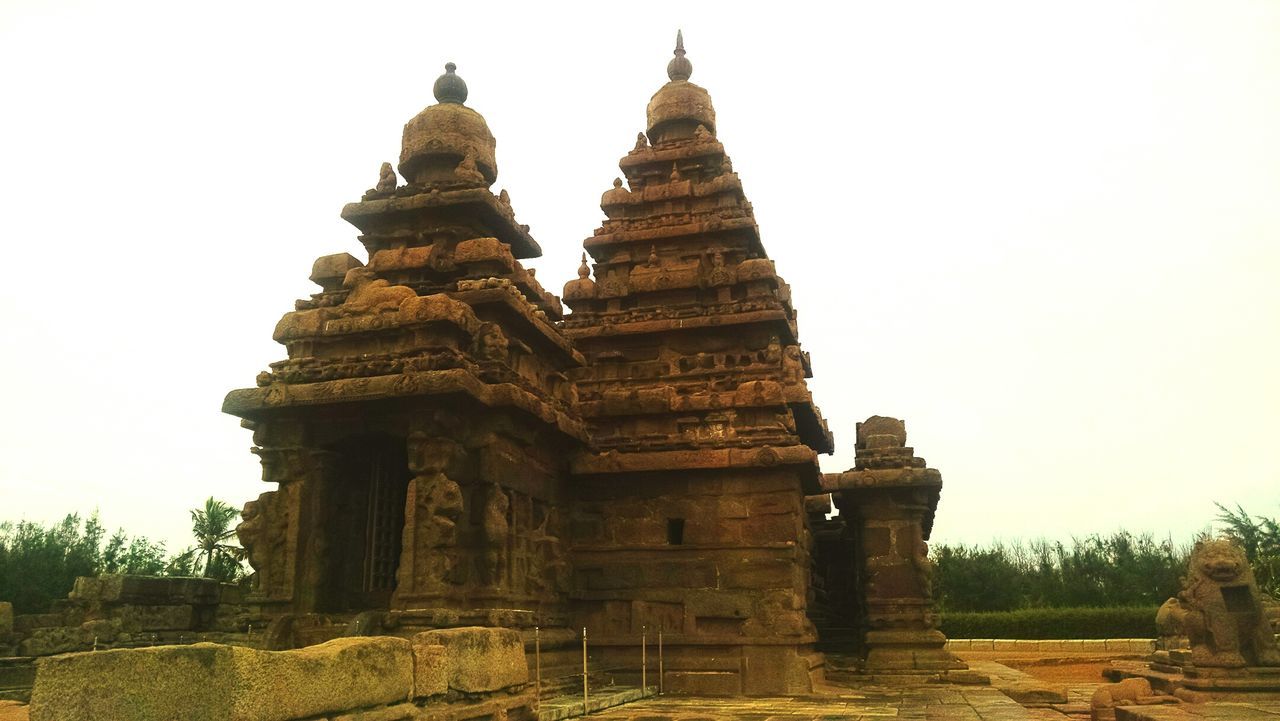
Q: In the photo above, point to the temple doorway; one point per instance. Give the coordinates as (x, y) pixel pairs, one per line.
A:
(369, 501)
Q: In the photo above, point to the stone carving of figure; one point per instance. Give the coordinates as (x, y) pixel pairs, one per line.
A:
(641, 141)
(653, 256)
(548, 570)
(467, 170)
(719, 274)
(773, 354)
(437, 508)
(495, 529)
(792, 366)
(262, 534)
(702, 133)
(491, 343)
(386, 179)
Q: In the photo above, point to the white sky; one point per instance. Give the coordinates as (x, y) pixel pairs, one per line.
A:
(1043, 234)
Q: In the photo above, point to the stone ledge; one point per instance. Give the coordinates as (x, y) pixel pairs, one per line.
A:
(1071, 645)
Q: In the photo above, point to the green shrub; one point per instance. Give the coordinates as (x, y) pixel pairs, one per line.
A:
(1122, 569)
(1038, 623)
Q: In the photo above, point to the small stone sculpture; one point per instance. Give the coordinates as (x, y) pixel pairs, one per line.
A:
(491, 343)
(386, 179)
(467, 171)
(642, 142)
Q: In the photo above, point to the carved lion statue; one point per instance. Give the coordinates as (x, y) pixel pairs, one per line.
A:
(1220, 610)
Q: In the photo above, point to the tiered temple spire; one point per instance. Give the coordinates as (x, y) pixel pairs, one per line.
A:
(695, 396)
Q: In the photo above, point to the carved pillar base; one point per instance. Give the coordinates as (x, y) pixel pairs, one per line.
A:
(916, 650)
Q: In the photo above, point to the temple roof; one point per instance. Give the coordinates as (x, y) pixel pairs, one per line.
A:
(679, 107)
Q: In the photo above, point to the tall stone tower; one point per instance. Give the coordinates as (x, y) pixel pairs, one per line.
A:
(689, 513)
(419, 428)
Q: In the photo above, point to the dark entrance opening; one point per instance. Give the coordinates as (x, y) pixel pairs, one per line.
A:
(368, 505)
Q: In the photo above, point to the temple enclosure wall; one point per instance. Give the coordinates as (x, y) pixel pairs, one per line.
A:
(464, 673)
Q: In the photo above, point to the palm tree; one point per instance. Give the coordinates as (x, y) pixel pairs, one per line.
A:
(212, 527)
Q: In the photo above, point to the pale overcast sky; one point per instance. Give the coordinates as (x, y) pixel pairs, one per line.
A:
(1045, 234)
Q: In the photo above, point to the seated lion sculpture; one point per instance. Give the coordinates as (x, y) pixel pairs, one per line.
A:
(1220, 610)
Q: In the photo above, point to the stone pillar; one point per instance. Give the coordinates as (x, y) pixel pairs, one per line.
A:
(282, 530)
(892, 496)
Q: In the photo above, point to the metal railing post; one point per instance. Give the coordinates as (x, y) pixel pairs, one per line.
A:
(537, 667)
(659, 662)
(585, 711)
(644, 660)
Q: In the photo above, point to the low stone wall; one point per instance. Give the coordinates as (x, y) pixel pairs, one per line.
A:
(124, 611)
(1070, 645)
(463, 673)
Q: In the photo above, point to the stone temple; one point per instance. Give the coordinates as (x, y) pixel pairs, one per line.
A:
(450, 447)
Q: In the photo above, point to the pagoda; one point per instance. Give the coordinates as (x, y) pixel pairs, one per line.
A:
(690, 500)
(419, 427)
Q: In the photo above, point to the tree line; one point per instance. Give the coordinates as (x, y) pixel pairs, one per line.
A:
(1122, 569)
(39, 563)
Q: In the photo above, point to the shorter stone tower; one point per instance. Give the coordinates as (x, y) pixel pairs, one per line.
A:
(419, 428)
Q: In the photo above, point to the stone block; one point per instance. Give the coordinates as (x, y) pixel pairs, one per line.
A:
(1033, 692)
(6, 617)
(28, 622)
(158, 618)
(699, 683)
(775, 671)
(1024, 644)
(758, 573)
(430, 669)
(479, 659)
(1072, 644)
(959, 644)
(1093, 645)
(399, 712)
(211, 682)
(982, 644)
(146, 590)
(1004, 644)
(50, 641)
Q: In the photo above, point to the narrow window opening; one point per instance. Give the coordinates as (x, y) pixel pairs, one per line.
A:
(675, 531)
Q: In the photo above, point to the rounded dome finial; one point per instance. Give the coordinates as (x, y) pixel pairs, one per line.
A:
(450, 88)
(679, 68)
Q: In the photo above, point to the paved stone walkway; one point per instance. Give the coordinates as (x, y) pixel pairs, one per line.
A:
(930, 703)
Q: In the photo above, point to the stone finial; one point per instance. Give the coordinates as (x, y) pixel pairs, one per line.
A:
(642, 142)
(653, 256)
(450, 88)
(679, 68)
(584, 270)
